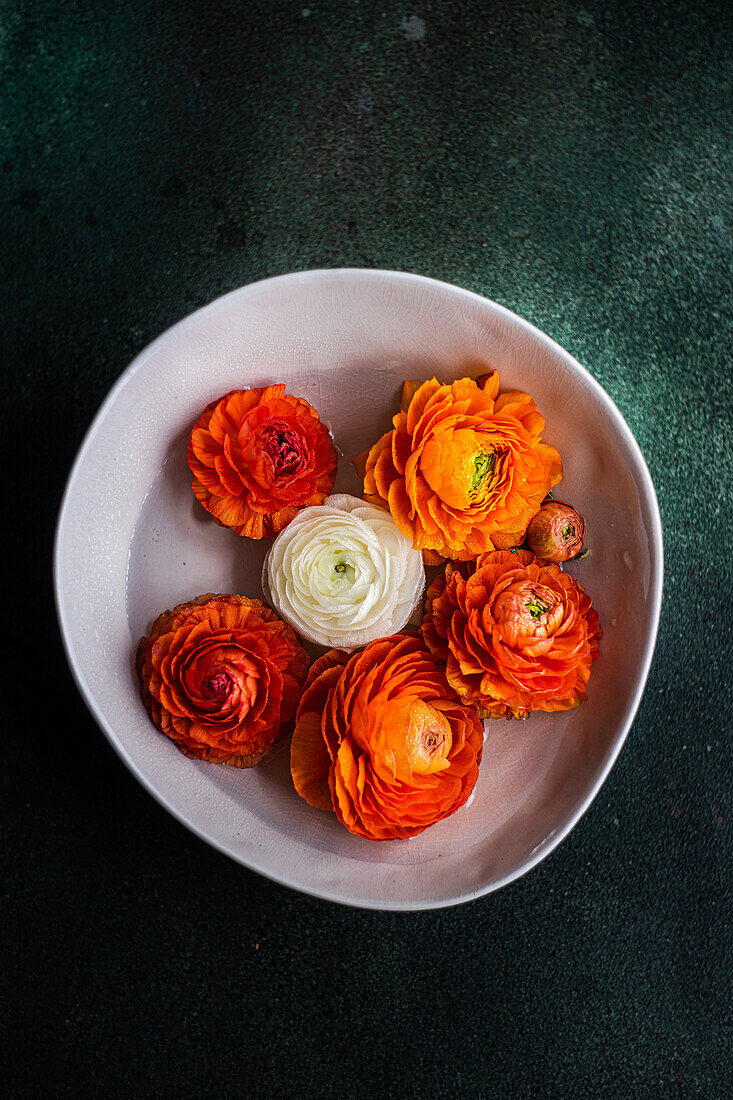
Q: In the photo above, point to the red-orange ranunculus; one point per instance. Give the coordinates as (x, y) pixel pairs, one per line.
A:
(257, 457)
(463, 471)
(557, 532)
(381, 739)
(221, 676)
(517, 635)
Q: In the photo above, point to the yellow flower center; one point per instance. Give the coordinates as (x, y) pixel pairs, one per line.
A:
(460, 466)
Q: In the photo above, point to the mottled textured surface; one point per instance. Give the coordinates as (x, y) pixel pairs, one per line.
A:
(575, 165)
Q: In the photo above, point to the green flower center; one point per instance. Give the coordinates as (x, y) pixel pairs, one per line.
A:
(483, 467)
(567, 532)
(535, 606)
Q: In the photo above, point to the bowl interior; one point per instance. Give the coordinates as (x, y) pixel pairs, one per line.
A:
(133, 541)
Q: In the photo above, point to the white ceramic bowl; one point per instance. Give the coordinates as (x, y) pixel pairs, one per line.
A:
(132, 541)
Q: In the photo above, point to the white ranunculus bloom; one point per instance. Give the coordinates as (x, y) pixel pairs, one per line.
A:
(342, 574)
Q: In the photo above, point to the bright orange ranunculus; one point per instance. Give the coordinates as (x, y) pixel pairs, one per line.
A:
(463, 471)
(517, 635)
(221, 676)
(257, 457)
(381, 739)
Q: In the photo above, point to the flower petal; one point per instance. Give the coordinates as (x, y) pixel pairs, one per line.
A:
(257, 456)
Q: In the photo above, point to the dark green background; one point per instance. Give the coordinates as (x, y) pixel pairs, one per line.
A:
(573, 163)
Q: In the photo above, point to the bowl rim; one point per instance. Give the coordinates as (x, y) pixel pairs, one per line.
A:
(647, 493)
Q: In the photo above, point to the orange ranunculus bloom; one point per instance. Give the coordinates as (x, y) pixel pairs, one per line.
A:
(221, 676)
(557, 532)
(463, 471)
(516, 635)
(257, 457)
(381, 739)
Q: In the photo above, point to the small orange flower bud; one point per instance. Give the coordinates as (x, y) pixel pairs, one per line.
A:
(557, 532)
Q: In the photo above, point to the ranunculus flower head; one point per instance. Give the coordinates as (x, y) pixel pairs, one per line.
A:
(258, 456)
(221, 676)
(557, 532)
(343, 574)
(383, 741)
(517, 634)
(462, 471)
